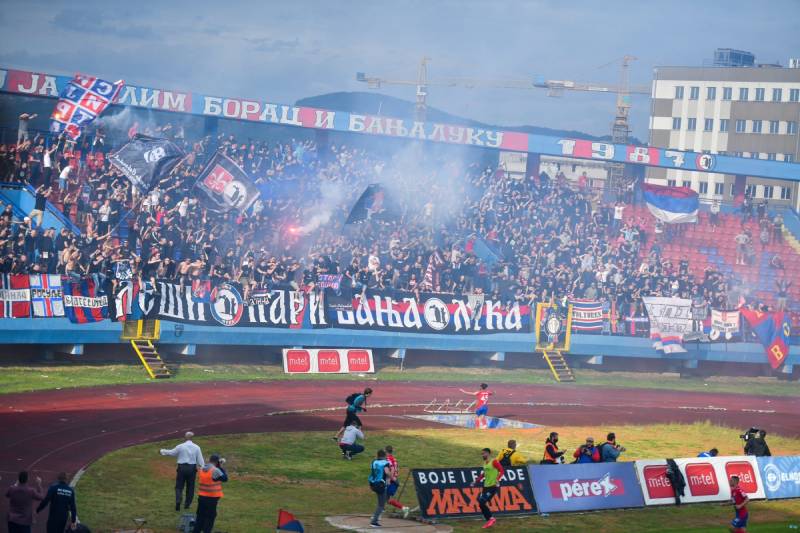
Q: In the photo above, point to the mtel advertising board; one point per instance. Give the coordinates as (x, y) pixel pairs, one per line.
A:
(706, 479)
(327, 361)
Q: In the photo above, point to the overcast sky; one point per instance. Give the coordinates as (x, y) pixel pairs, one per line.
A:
(283, 51)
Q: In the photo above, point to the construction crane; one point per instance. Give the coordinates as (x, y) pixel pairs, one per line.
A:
(554, 88)
(620, 129)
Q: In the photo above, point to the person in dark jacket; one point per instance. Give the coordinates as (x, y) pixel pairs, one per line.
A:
(552, 455)
(61, 499)
(676, 479)
(20, 503)
(757, 446)
(610, 450)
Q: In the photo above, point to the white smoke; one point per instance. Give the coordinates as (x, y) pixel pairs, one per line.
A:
(331, 196)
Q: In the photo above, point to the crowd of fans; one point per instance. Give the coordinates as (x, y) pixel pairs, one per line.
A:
(547, 237)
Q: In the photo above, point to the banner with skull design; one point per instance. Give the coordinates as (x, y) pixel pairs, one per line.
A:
(227, 185)
(145, 160)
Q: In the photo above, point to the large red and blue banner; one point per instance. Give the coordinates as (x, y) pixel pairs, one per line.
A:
(47, 297)
(672, 205)
(585, 487)
(85, 301)
(772, 330)
(15, 296)
(39, 84)
(80, 102)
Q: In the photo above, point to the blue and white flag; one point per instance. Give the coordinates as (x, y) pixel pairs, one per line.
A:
(673, 205)
(587, 315)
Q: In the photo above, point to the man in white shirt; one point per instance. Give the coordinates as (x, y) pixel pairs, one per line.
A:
(348, 443)
(189, 458)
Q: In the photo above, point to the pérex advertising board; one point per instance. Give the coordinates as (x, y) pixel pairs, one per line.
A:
(781, 476)
(446, 492)
(585, 487)
(327, 361)
(706, 479)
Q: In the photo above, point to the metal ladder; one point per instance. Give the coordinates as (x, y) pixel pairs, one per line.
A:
(151, 361)
(558, 365)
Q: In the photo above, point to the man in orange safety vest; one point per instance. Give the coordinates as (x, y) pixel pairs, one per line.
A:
(209, 492)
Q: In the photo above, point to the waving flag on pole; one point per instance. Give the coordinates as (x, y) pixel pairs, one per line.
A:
(287, 522)
(81, 101)
(673, 205)
(772, 330)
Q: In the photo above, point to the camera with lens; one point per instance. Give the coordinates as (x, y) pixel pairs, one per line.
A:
(749, 434)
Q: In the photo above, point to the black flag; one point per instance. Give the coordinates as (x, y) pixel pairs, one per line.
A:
(371, 204)
(226, 184)
(145, 160)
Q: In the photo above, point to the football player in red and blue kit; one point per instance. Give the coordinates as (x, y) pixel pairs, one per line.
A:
(481, 405)
(740, 499)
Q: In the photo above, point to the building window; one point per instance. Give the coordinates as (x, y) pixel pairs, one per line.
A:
(719, 189)
(791, 128)
(786, 193)
(772, 156)
(794, 95)
(768, 191)
(753, 155)
(727, 93)
(711, 93)
(738, 154)
(694, 93)
(679, 92)
(708, 124)
(671, 183)
(676, 123)
(788, 157)
(750, 191)
(743, 94)
(759, 94)
(773, 126)
(691, 124)
(723, 124)
(687, 184)
(777, 95)
(703, 187)
(757, 126)
(740, 125)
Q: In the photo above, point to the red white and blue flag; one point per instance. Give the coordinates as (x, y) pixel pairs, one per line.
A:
(287, 522)
(15, 296)
(85, 301)
(773, 331)
(673, 205)
(81, 101)
(587, 315)
(47, 297)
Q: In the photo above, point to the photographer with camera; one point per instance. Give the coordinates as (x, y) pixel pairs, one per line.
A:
(754, 443)
(610, 450)
(587, 453)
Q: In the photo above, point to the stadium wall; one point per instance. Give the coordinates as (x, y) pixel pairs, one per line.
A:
(22, 335)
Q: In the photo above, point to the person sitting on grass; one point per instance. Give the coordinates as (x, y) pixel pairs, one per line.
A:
(348, 443)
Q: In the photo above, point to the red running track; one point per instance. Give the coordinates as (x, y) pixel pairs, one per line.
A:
(65, 430)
